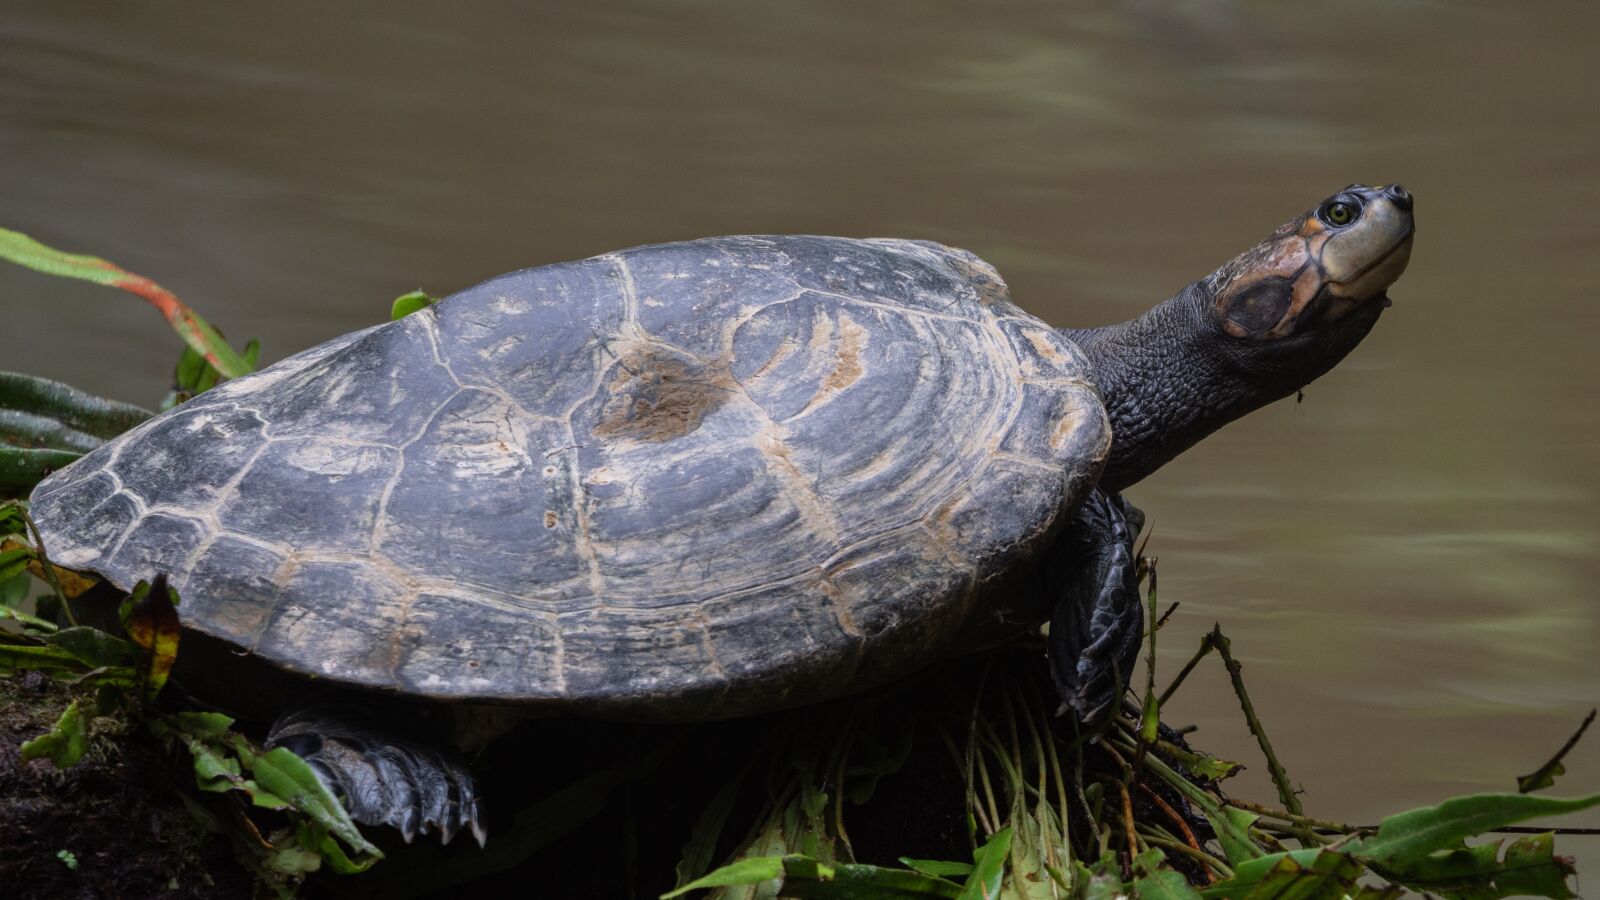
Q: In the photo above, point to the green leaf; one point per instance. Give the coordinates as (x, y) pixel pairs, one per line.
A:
(104, 676)
(213, 770)
(752, 870)
(810, 880)
(14, 563)
(1407, 837)
(702, 845)
(203, 725)
(152, 623)
(1233, 834)
(1201, 765)
(313, 835)
(21, 468)
(195, 331)
(93, 647)
(13, 518)
(989, 868)
(30, 430)
(1329, 875)
(1101, 882)
(33, 656)
(14, 590)
(63, 744)
(1164, 884)
(938, 868)
(190, 369)
(91, 417)
(194, 375)
(289, 777)
(1545, 775)
(1276, 872)
(1530, 868)
(291, 859)
(406, 304)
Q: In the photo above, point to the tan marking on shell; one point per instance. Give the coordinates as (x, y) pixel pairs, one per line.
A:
(847, 370)
(846, 354)
(1071, 422)
(1046, 347)
(840, 603)
(798, 487)
(988, 284)
(784, 350)
(655, 397)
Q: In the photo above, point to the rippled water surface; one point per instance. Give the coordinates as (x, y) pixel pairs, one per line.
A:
(1407, 562)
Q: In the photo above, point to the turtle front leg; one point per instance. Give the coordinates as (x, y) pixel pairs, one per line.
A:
(1098, 624)
(382, 777)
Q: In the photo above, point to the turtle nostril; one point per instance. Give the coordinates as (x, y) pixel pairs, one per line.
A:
(1400, 196)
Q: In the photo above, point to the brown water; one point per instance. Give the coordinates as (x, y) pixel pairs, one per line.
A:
(1407, 562)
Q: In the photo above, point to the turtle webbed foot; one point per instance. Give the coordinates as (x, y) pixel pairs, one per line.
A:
(383, 778)
(1098, 625)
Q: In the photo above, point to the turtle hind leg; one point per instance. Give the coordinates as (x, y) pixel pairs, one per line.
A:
(381, 776)
(1098, 623)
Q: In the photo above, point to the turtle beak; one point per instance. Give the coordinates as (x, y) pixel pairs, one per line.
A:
(1365, 260)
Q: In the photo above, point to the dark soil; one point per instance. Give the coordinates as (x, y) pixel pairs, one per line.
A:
(113, 826)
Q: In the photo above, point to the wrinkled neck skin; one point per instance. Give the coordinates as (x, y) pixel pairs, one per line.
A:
(1172, 376)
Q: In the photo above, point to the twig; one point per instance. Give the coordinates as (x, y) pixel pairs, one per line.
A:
(1534, 829)
(1205, 648)
(1183, 827)
(1544, 776)
(972, 756)
(1150, 716)
(1127, 820)
(1294, 818)
(988, 794)
(1215, 868)
(1053, 756)
(1280, 777)
(846, 741)
(48, 569)
(1128, 775)
(1161, 622)
(1040, 746)
(1083, 799)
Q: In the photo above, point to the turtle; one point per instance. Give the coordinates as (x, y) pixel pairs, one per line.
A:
(698, 480)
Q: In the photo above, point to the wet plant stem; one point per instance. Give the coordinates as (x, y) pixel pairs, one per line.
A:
(1216, 869)
(1150, 717)
(1205, 648)
(1280, 777)
(1083, 800)
(845, 744)
(48, 569)
(1183, 827)
(1292, 818)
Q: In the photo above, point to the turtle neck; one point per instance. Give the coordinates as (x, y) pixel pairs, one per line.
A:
(1171, 376)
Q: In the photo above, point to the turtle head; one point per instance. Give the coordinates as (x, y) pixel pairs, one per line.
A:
(1320, 276)
(1264, 325)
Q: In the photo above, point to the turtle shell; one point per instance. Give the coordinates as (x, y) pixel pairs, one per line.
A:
(682, 481)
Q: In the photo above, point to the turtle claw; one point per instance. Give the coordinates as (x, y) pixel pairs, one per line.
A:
(1098, 623)
(381, 777)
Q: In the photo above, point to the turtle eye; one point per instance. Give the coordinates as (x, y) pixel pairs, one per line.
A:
(1339, 213)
